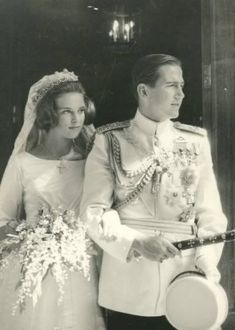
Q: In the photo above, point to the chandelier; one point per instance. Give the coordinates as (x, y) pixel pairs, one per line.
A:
(123, 25)
(122, 30)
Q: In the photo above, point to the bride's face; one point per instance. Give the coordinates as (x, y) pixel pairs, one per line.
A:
(71, 114)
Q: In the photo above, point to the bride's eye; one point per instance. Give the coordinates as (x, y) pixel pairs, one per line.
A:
(65, 111)
(81, 110)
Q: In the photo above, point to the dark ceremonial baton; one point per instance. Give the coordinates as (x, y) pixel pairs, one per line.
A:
(227, 236)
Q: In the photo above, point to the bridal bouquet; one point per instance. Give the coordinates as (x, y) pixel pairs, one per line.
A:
(57, 243)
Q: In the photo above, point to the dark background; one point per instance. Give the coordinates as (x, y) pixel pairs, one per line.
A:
(38, 37)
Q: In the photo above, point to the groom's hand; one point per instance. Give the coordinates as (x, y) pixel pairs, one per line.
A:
(155, 248)
(109, 225)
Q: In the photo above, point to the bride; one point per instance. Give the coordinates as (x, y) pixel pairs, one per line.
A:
(46, 169)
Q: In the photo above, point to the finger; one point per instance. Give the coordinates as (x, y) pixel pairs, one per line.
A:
(163, 258)
(105, 230)
(166, 251)
(172, 249)
(108, 236)
(150, 256)
(112, 237)
(137, 254)
(100, 229)
(105, 238)
(171, 253)
(109, 232)
(153, 258)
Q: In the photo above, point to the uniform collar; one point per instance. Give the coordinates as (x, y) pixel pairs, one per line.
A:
(150, 127)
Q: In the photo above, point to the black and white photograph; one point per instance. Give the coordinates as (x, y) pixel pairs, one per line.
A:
(117, 165)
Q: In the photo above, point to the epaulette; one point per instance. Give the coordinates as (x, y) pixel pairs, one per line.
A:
(113, 126)
(189, 128)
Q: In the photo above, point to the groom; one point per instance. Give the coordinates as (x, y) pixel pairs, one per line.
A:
(149, 181)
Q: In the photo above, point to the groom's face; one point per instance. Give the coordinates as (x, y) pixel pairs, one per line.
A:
(163, 100)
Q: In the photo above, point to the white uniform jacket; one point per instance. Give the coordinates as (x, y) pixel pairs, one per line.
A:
(159, 177)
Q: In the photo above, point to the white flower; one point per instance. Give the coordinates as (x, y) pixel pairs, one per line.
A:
(59, 244)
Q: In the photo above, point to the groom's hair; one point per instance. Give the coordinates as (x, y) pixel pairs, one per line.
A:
(146, 69)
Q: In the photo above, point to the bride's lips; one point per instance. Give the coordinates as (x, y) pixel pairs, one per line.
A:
(74, 127)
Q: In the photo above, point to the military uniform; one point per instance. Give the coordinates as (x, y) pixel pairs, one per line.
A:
(159, 178)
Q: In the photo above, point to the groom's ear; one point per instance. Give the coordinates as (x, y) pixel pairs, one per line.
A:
(142, 90)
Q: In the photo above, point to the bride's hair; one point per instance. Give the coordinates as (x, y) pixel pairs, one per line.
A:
(46, 112)
(47, 115)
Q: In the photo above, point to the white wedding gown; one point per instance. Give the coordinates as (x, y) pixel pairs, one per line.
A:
(35, 183)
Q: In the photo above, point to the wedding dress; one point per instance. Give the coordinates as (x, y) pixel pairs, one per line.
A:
(36, 182)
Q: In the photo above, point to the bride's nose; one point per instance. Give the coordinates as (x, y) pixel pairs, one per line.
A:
(77, 117)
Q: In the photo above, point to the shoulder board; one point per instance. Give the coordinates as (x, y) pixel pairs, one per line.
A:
(189, 128)
(113, 126)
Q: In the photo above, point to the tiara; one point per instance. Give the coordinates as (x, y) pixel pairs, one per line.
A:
(50, 81)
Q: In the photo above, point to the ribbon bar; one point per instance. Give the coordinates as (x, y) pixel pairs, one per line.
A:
(167, 226)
